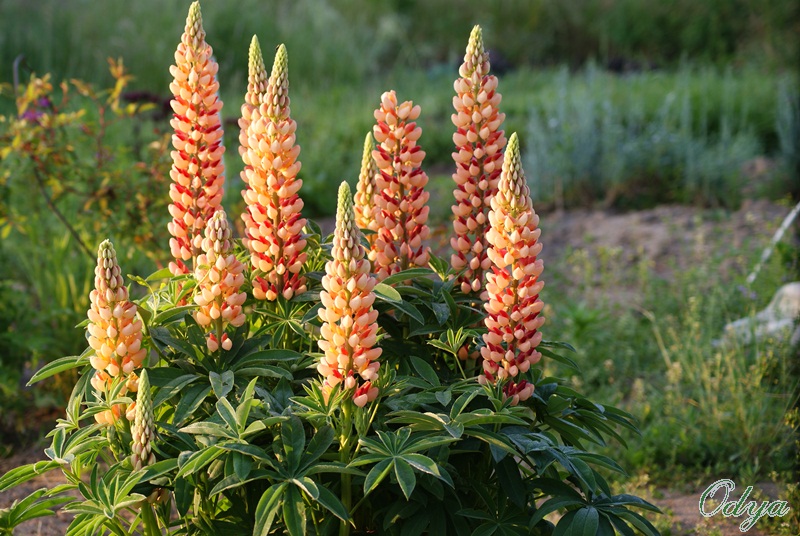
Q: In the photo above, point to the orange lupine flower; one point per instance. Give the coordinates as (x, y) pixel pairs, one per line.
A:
(479, 149)
(197, 167)
(513, 284)
(350, 323)
(364, 200)
(115, 334)
(219, 276)
(272, 218)
(401, 209)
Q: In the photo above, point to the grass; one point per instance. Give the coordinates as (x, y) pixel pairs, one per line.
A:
(646, 340)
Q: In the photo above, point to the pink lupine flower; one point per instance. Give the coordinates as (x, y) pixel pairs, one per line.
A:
(349, 331)
(364, 199)
(219, 276)
(513, 284)
(272, 218)
(197, 167)
(115, 334)
(479, 150)
(401, 209)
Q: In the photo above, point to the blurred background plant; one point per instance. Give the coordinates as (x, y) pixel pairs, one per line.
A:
(70, 157)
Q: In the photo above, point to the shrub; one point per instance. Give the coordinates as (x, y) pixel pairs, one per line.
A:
(235, 432)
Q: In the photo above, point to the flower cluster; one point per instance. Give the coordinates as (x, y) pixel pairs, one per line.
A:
(364, 200)
(350, 323)
(197, 169)
(272, 219)
(256, 89)
(401, 209)
(219, 276)
(143, 429)
(479, 149)
(513, 284)
(115, 334)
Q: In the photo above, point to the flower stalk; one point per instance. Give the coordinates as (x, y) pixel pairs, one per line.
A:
(197, 168)
(272, 218)
(219, 276)
(115, 334)
(401, 210)
(513, 285)
(479, 150)
(364, 199)
(349, 329)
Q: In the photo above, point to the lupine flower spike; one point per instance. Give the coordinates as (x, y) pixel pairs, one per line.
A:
(256, 90)
(272, 219)
(401, 209)
(364, 200)
(513, 284)
(350, 327)
(479, 150)
(143, 430)
(219, 276)
(115, 334)
(197, 168)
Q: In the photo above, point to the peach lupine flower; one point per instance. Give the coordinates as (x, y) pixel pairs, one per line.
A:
(401, 209)
(350, 326)
(513, 284)
(197, 168)
(115, 334)
(256, 89)
(479, 150)
(272, 218)
(364, 199)
(143, 429)
(219, 276)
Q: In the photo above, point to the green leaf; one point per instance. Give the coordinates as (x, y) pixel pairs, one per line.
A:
(441, 311)
(332, 503)
(583, 522)
(387, 293)
(171, 313)
(405, 477)
(444, 397)
(376, 475)
(318, 445)
(190, 401)
(510, 481)
(425, 371)
(221, 383)
(410, 310)
(294, 512)
(293, 439)
(551, 505)
(198, 460)
(163, 273)
(172, 388)
(267, 508)
(208, 428)
(58, 365)
(228, 414)
(262, 358)
(462, 401)
(21, 474)
(410, 273)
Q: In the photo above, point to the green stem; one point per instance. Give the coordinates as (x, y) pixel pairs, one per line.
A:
(149, 520)
(344, 455)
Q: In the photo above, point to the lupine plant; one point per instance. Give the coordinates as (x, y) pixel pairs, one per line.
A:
(297, 390)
